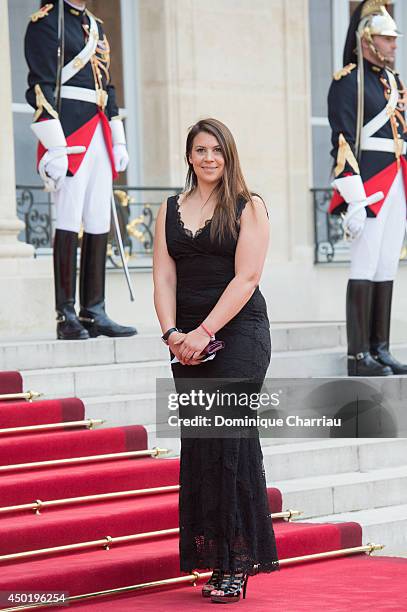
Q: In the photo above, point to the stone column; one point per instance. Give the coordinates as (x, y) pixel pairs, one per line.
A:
(296, 118)
(10, 225)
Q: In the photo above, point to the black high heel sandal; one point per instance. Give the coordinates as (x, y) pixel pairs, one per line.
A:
(231, 587)
(213, 583)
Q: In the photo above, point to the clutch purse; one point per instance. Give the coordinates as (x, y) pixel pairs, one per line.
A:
(209, 351)
(213, 347)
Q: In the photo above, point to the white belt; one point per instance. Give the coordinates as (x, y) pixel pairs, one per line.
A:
(85, 95)
(386, 145)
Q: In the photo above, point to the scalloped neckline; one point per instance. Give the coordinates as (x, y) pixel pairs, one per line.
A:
(186, 230)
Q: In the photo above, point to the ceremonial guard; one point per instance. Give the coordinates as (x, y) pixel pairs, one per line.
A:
(366, 112)
(82, 147)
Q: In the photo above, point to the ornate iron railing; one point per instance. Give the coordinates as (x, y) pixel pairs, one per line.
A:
(330, 246)
(137, 209)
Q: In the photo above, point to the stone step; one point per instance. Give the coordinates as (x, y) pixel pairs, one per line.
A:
(347, 492)
(314, 363)
(306, 459)
(100, 380)
(48, 353)
(108, 377)
(284, 458)
(386, 525)
(139, 377)
(119, 410)
(290, 459)
(308, 363)
(298, 350)
(305, 336)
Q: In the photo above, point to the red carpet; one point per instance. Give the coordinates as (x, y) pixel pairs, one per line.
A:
(90, 521)
(10, 382)
(101, 477)
(146, 561)
(19, 414)
(65, 444)
(148, 513)
(356, 583)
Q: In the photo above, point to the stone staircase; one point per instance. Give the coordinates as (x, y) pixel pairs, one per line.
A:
(363, 480)
(117, 377)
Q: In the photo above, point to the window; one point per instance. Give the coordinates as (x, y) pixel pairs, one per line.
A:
(328, 25)
(25, 143)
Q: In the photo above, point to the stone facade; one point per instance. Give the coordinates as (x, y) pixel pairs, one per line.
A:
(246, 63)
(9, 224)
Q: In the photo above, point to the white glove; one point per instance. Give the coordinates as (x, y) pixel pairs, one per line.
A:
(354, 220)
(53, 166)
(121, 157)
(56, 165)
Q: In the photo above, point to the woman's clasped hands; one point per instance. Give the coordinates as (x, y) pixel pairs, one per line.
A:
(187, 348)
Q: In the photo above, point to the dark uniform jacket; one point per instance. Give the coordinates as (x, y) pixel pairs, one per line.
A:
(377, 168)
(78, 118)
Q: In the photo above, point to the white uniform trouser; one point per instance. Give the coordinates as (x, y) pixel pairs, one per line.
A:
(86, 196)
(376, 253)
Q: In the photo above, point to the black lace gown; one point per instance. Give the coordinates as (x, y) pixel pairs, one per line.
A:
(224, 512)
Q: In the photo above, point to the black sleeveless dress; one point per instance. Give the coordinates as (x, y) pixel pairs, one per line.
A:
(224, 512)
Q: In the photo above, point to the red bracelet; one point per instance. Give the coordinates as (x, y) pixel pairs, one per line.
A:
(210, 334)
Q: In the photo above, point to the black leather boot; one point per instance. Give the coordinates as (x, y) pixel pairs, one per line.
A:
(380, 328)
(92, 290)
(358, 318)
(65, 251)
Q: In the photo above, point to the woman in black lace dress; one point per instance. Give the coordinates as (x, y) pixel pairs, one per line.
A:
(210, 246)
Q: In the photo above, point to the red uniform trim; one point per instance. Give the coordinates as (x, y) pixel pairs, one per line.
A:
(382, 181)
(83, 136)
(107, 132)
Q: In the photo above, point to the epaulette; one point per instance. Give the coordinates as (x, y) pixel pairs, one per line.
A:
(43, 12)
(94, 16)
(343, 72)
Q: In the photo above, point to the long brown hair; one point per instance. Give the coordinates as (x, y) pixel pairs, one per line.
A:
(231, 185)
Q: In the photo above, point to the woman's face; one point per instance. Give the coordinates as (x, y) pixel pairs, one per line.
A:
(207, 158)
